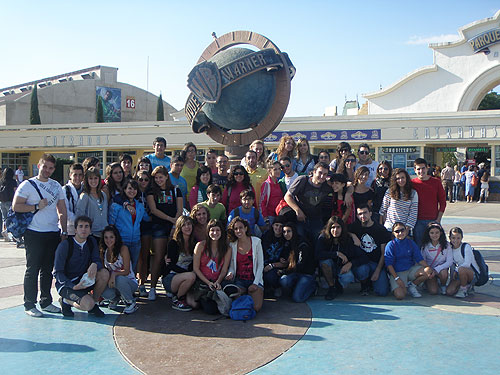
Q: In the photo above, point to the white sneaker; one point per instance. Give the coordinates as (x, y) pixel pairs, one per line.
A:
(130, 308)
(34, 312)
(462, 293)
(113, 304)
(443, 290)
(152, 294)
(412, 289)
(52, 309)
(142, 291)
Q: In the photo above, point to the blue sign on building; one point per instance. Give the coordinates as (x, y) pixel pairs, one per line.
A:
(328, 135)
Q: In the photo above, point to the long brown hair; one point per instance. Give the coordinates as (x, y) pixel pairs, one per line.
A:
(221, 243)
(92, 172)
(357, 175)
(281, 147)
(230, 228)
(395, 191)
(168, 184)
(186, 248)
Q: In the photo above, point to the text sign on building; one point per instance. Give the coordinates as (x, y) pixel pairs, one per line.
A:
(446, 149)
(130, 102)
(478, 149)
(399, 150)
(484, 40)
(357, 135)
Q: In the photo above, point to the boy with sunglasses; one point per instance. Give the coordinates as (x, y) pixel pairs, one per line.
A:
(365, 160)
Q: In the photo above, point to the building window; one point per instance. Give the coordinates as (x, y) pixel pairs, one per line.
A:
(81, 156)
(13, 160)
(400, 157)
(497, 160)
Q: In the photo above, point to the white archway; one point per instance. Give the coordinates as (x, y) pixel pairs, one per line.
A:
(476, 91)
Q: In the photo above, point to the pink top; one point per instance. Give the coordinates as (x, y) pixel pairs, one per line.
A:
(209, 267)
(270, 197)
(244, 268)
(234, 199)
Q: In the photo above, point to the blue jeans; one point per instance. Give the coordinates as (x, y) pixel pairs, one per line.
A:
(344, 278)
(363, 272)
(418, 231)
(134, 248)
(456, 190)
(301, 286)
(124, 286)
(310, 228)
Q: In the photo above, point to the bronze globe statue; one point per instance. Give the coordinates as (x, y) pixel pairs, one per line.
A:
(239, 94)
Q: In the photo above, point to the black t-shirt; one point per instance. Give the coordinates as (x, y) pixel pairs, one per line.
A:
(312, 200)
(165, 201)
(273, 247)
(371, 238)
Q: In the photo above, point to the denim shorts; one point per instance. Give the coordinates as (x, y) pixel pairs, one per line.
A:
(245, 284)
(161, 230)
(167, 281)
(146, 228)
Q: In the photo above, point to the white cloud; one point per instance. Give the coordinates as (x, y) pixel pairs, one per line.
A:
(418, 40)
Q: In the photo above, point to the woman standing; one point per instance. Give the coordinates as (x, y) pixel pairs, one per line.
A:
(165, 203)
(380, 186)
(237, 181)
(305, 160)
(114, 182)
(144, 179)
(298, 277)
(127, 218)
(191, 165)
(270, 193)
(400, 203)
(260, 149)
(93, 202)
(7, 189)
(178, 277)
(247, 261)
(285, 148)
(198, 192)
(470, 176)
(122, 282)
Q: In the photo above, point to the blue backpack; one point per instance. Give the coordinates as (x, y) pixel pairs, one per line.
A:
(482, 273)
(242, 308)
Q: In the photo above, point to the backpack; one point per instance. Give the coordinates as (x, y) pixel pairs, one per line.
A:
(242, 308)
(71, 247)
(482, 274)
(17, 222)
(70, 198)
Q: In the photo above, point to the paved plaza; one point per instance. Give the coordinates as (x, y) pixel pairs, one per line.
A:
(349, 335)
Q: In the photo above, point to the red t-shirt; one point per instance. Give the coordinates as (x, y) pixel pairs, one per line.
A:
(209, 267)
(431, 198)
(244, 266)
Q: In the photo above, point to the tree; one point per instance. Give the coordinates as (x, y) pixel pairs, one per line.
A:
(160, 116)
(99, 115)
(490, 101)
(34, 113)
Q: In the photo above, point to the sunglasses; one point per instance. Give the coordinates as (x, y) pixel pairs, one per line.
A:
(363, 152)
(399, 231)
(285, 165)
(143, 179)
(238, 174)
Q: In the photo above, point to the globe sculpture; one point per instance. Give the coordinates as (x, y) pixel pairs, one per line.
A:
(239, 94)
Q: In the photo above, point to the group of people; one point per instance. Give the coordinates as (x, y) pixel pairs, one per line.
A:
(274, 224)
(468, 182)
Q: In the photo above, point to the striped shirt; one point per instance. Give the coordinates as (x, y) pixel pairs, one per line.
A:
(399, 210)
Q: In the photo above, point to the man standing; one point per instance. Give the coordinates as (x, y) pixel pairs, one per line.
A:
(42, 236)
(175, 176)
(432, 199)
(311, 199)
(447, 177)
(290, 175)
(159, 157)
(19, 174)
(373, 237)
(257, 174)
(72, 191)
(220, 178)
(76, 257)
(365, 160)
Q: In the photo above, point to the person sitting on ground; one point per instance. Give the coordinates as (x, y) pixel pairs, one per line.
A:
(215, 208)
(297, 278)
(337, 256)
(198, 192)
(200, 215)
(463, 276)
(248, 212)
(271, 193)
(275, 259)
(74, 258)
(247, 261)
(178, 277)
(405, 265)
(122, 282)
(438, 254)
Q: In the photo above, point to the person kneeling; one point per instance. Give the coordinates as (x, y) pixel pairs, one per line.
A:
(78, 270)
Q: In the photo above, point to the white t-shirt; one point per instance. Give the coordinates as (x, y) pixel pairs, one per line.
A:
(373, 170)
(19, 175)
(45, 220)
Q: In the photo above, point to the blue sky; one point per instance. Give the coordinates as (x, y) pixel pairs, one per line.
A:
(340, 49)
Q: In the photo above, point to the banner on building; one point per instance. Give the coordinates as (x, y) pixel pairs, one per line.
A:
(111, 103)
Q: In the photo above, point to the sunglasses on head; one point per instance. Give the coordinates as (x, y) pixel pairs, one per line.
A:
(363, 152)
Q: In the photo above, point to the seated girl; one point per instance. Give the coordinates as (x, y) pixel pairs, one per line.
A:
(200, 215)
(438, 254)
(178, 276)
(405, 265)
(275, 257)
(462, 276)
(247, 261)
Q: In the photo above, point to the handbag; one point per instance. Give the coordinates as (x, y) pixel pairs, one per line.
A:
(17, 222)
(474, 180)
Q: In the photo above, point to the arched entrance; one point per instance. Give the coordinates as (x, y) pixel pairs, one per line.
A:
(476, 91)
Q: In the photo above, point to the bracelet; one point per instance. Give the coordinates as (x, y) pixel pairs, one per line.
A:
(272, 265)
(396, 278)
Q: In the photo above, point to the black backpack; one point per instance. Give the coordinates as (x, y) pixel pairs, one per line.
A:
(482, 274)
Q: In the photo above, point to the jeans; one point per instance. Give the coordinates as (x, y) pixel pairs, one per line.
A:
(419, 230)
(310, 228)
(344, 278)
(271, 279)
(301, 286)
(456, 190)
(134, 249)
(40, 251)
(363, 272)
(125, 286)
(4, 207)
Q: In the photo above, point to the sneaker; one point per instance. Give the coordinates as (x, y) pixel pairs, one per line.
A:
(462, 292)
(51, 309)
(365, 291)
(470, 289)
(443, 290)
(278, 293)
(6, 236)
(130, 308)
(34, 312)
(181, 305)
(142, 291)
(169, 295)
(231, 290)
(339, 288)
(113, 304)
(152, 294)
(20, 245)
(412, 289)
(331, 293)
(97, 312)
(174, 298)
(66, 309)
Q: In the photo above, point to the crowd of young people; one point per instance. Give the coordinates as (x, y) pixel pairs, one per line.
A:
(275, 225)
